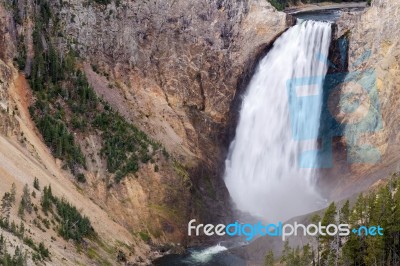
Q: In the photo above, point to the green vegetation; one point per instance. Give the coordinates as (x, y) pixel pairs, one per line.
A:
(124, 145)
(26, 203)
(296, 257)
(269, 259)
(19, 258)
(103, 2)
(81, 178)
(144, 236)
(48, 72)
(72, 225)
(380, 207)
(57, 137)
(121, 257)
(67, 221)
(278, 4)
(47, 200)
(6, 203)
(21, 53)
(36, 184)
(66, 107)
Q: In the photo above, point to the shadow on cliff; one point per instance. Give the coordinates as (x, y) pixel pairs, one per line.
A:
(210, 196)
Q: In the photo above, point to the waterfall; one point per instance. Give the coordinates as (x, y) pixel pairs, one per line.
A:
(270, 169)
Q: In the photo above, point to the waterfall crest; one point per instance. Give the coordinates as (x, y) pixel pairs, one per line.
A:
(265, 172)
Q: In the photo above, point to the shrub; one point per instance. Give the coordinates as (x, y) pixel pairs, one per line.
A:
(144, 236)
(278, 4)
(81, 178)
(103, 2)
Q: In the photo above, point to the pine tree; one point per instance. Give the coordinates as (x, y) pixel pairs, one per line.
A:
(26, 203)
(43, 251)
(353, 250)
(395, 229)
(345, 213)
(307, 256)
(5, 206)
(269, 259)
(13, 227)
(290, 257)
(21, 229)
(13, 192)
(36, 184)
(327, 241)
(358, 213)
(315, 219)
(47, 199)
(2, 245)
(381, 214)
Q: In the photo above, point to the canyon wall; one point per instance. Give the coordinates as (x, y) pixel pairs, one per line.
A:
(372, 128)
(177, 64)
(371, 64)
(176, 70)
(7, 46)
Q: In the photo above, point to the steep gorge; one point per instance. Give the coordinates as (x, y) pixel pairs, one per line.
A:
(174, 74)
(175, 70)
(166, 71)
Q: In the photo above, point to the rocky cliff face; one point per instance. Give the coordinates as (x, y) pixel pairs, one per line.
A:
(7, 46)
(371, 63)
(377, 33)
(176, 70)
(372, 127)
(177, 64)
(24, 157)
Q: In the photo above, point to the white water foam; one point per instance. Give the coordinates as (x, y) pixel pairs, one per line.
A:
(206, 255)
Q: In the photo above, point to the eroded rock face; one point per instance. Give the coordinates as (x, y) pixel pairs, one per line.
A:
(374, 46)
(174, 69)
(177, 64)
(8, 36)
(7, 39)
(5, 55)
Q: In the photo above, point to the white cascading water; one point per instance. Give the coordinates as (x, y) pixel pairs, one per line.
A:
(205, 255)
(262, 172)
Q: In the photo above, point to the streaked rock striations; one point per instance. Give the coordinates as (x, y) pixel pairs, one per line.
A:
(373, 38)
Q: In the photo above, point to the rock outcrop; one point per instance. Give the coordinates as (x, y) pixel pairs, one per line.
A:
(7, 50)
(23, 158)
(178, 64)
(373, 67)
(372, 59)
(176, 70)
